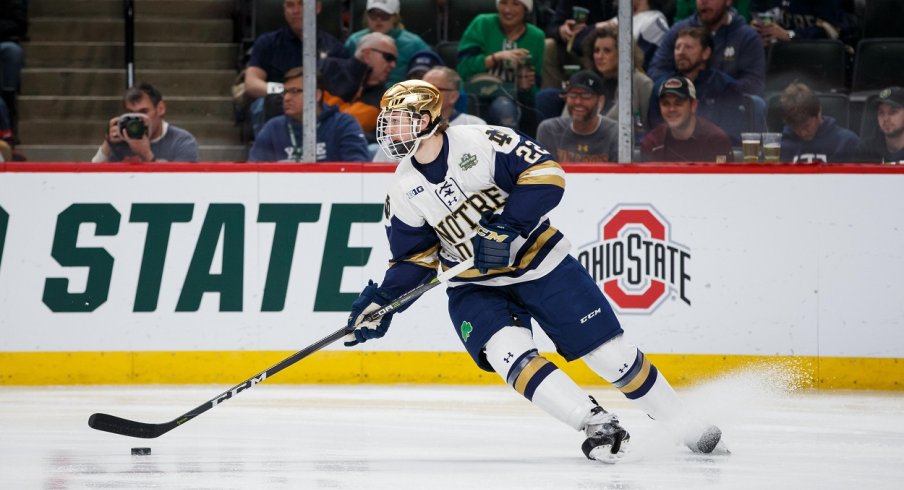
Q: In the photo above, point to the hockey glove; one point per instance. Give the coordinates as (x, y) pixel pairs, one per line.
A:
(492, 244)
(370, 300)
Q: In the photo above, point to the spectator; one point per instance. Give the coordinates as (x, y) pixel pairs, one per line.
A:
(649, 27)
(601, 57)
(383, 16)
(13, 29)
(737, 50)
(719, 96)
(810, 137)
(6, 153)
(357, 84)
(888, 144)
(684, 137)
(687, 8)
(565, 37)
(786, 20)
(448, 81)
(274, 53)
(141, 135)
(6, 129)
(339, 136)
(509, 50)
(584, 135)
(421, 62)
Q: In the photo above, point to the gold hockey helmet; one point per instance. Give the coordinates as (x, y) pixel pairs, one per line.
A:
(399, 126)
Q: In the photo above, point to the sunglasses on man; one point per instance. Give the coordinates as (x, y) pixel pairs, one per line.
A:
(389, 57)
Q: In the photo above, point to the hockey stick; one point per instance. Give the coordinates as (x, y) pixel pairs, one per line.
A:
(126, 427)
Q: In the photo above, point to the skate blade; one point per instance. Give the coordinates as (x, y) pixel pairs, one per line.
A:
(604, 454)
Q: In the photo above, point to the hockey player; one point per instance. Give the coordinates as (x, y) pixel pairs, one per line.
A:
(484, 191)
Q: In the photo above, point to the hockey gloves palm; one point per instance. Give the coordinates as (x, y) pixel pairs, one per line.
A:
(370, 300)
(492, 244)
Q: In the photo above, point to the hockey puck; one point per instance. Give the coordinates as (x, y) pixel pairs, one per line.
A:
(141, 451)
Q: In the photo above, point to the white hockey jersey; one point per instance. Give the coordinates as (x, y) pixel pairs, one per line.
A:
(431, 209)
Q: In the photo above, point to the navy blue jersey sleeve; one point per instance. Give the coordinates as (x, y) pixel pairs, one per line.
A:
(414, 256)
(535, 183)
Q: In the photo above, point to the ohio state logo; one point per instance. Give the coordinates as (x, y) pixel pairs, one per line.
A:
(635, 262)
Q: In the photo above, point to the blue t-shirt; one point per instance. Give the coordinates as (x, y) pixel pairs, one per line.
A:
(279, 51)
(339, 139)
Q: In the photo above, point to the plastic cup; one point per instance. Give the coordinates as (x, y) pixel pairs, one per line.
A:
(772, 147)
(750, 147)
(580, 14)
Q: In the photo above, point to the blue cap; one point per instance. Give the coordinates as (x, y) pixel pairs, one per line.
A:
(422, 61)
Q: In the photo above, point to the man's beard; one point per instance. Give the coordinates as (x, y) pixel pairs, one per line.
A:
(895, 133)
(690, 66)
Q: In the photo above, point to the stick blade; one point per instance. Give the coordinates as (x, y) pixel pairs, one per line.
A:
(126, 427)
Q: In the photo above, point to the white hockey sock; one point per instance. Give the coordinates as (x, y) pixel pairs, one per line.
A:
(626, 367)
(513, 355)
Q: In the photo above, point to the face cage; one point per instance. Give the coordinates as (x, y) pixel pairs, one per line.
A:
(397, 132)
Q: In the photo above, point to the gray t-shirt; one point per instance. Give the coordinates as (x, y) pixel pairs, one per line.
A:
(565, 145)
(176, 145)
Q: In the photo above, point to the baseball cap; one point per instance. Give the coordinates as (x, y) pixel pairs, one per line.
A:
(680, 86)
(388, 6)
(529, 4)
(422, 61)
(586, 80)
(892, 96)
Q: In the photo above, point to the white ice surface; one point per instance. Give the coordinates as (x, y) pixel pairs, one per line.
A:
(426, 437)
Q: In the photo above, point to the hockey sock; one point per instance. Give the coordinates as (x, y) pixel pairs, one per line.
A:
(629, 370)
(513, 355)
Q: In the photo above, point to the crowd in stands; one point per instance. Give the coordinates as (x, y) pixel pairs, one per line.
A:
(549, 69)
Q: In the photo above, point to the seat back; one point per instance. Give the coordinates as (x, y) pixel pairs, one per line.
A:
(448, 51)
(882, 18)
(817, 62)
(834, 105)
(869, 124)
(269, 16)
(462, 12)
(879, 63)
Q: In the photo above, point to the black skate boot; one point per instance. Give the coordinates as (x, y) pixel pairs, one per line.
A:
(606, 440)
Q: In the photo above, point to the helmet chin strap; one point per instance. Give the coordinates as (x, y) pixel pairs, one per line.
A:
(420, 137)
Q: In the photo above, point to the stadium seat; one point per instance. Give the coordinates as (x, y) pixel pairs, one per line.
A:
(882, 18)
(879, 63)
(423, 17)
(448, 51)
(817, 62)
(268, 16)
(833, 104)
(869, 125)
(462, 12)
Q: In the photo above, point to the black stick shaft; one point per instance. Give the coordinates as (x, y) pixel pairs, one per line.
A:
(126, 427)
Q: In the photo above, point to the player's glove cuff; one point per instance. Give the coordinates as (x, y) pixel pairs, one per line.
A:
(492, 245)
(360, 330)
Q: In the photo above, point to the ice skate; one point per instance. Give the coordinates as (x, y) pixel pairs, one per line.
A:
(709, 442)
(606, 439)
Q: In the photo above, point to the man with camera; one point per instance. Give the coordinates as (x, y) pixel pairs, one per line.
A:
(141, 134)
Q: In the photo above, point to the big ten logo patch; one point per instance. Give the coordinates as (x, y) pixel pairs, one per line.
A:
(635, 261)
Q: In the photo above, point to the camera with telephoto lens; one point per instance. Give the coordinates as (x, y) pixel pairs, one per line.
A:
(133, 126)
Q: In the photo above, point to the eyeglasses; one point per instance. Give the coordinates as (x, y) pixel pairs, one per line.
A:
(377, 14)
(389, 57)
(292, 91)
(447, 89)
(579, 95)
